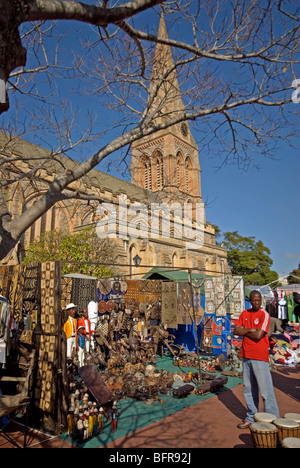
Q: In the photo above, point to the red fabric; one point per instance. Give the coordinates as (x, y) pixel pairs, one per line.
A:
(81, 323)
(255, 349)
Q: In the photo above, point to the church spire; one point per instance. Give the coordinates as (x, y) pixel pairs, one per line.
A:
(164, 92)
(167, 161)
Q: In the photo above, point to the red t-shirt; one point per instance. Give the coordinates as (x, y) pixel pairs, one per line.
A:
(255, 349)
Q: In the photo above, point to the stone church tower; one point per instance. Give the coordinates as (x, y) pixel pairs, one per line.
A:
(167, 162)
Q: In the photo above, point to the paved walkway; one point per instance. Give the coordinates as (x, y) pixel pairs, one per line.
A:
(208, 424)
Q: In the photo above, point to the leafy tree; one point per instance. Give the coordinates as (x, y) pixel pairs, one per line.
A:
(294, 276)
(249, 258)
(84, 246)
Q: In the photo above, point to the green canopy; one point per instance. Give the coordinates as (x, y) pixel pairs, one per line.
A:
(159, 273)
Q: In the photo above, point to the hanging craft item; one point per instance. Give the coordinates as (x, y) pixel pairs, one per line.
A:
(132, 305)
(102, 307)
(110, 305)
(30, 289)
(132, 290)
(66, 291)
(224, 296)
(123, 287)
(47, 355)
(4, 276)
(83, 291)
(199, 314)
(104, 285)
(150, 291)
(207, 334)
(209, 296)
(215, 296)
(143, 308)
(235, 296)
(219, 296)
(16, 292)
(116, 286)
(184, 304)
(150, 287)
(169, 305)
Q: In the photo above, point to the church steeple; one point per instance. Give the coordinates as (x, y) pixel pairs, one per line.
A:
(164, 93)
(167, 161)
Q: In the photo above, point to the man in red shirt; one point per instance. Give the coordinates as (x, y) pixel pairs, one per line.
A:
(253, 325)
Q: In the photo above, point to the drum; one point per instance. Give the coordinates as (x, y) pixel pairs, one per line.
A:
(293, 416)
(291, 442)
(286, 428)
(264, 435)
(264, 417)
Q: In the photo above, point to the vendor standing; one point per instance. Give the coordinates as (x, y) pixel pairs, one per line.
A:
(70, 329)
(253, 325)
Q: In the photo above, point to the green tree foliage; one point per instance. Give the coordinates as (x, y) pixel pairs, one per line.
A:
(294, 276)
(84, 246)
(249, 258)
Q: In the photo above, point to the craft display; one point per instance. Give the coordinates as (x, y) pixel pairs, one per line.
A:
(123, 326)
(285, 348)
(284, 303)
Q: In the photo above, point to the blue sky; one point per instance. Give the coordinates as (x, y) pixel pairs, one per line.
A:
(262, 203)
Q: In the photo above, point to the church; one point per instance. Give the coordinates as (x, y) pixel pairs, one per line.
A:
(157, 218)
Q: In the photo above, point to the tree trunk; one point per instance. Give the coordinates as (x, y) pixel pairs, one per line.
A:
(7, 243)
(12, 54)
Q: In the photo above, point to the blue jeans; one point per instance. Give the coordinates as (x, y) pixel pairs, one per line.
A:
(257, 379)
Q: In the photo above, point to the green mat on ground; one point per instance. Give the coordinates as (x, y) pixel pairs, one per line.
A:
(135, 414)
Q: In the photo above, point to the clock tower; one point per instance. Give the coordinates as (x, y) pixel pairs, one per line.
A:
(167, 161)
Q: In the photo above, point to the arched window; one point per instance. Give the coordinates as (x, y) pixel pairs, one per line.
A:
(179, 170)
(147, 174)
(175, 260)
(158, 171)
(188, 167)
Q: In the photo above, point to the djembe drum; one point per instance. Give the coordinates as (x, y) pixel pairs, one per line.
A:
(291, 442)
(293, 416)
(265, 417)
(264, 435)
(287, 428)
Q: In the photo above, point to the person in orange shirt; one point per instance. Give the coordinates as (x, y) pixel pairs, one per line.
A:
(85, 322)
(70, 329)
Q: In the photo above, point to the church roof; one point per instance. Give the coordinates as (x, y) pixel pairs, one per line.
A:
(33, 155)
